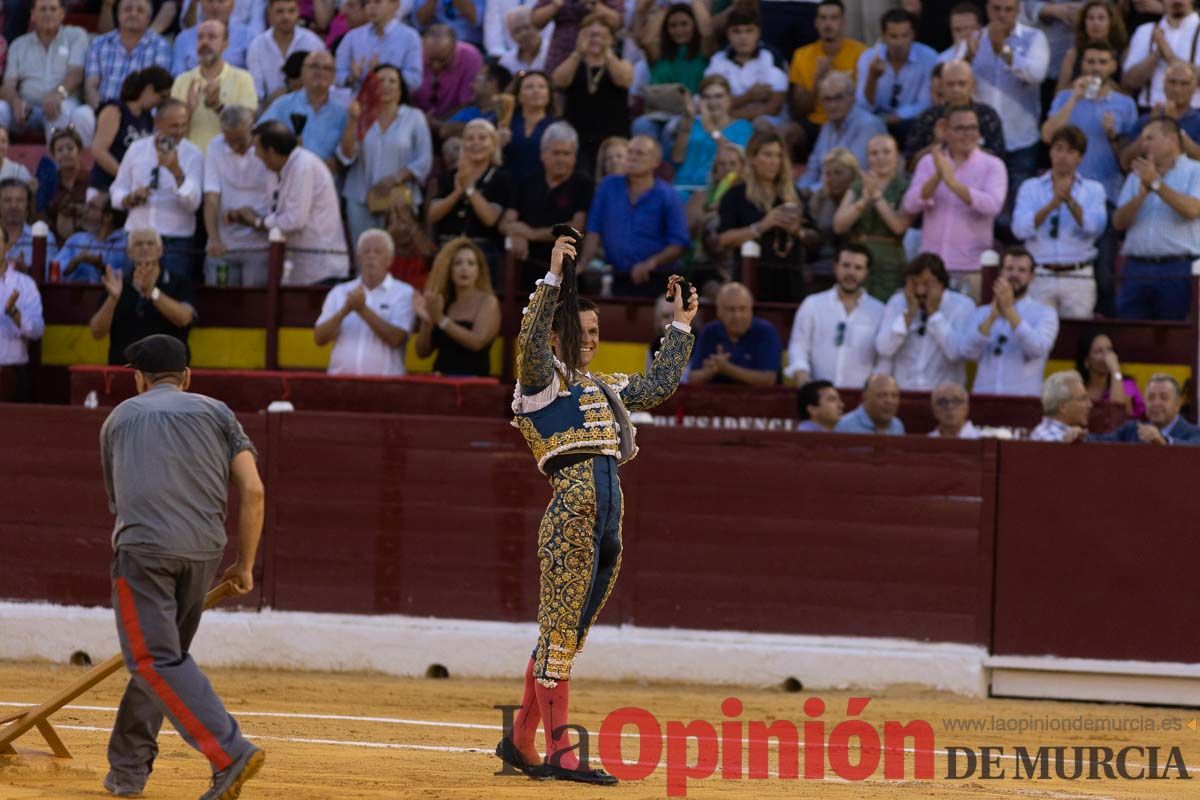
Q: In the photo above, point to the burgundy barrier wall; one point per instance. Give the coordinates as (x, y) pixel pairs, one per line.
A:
(1097, 552)
(251, 391)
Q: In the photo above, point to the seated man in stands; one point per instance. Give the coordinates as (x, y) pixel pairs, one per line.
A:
(368, 319)
(736, 347)
(951, 407)
(1012, 336)
(102, 241)
(20, 320)
(1066, 404)
(639, 220)
(877, 411)
(820, 407)
(16, 199)
(145, 301)
(131, 47)
(1163, 425)
(316, 107)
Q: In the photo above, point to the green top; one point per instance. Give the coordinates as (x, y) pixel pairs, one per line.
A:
(870, 223)
(680, 69)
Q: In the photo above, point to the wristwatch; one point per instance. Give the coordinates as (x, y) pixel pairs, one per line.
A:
(62, 92)
(155, 294)
(1154, 187)
(470, 190)
(1118, 377)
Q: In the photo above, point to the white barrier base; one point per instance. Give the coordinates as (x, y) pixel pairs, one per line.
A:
(407, 646)
(1151, 682)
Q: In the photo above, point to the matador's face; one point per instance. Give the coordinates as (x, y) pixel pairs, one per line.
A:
(589, 341)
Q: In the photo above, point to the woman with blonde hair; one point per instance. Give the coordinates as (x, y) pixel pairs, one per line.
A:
(458, 315)
(471, 198)
(766, 208)
(839, 171)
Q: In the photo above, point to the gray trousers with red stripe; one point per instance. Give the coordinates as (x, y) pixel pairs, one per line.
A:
(158, 601)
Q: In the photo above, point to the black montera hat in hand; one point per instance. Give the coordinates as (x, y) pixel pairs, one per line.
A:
(157, 353)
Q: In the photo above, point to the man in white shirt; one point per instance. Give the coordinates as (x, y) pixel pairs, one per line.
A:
(1066, 405)
(369, 318)
(1012, 336)
(951, 407)
(1060, 215)
(759, 87)
(919, 332)
(270, 49)
(159, 185)
(833, 334)
(1155, 46)
(43, 77)
(236, 185)
(1010, 60)
(305, 208)
(20, 319)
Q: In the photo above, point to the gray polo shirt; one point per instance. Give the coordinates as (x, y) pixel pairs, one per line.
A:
(166, 457)
(39, 70)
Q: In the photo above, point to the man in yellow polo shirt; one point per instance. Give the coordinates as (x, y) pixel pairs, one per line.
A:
(811, 63)
(212, 85)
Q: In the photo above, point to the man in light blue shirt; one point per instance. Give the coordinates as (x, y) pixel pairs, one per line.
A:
(877, 412)
(1011, 337)
(324, 116)
(383, 40)
(184, 55)
(847, 126)
(467, 27)
(893, 76)
(1160, 212)
(1059, 215)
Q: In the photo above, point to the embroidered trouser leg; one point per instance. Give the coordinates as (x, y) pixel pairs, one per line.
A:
(579, 549)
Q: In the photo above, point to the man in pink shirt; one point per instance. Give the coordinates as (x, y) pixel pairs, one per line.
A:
(450, 66)
(960, 189)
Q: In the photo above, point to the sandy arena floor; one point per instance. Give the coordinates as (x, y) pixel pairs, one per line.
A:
(406, 738)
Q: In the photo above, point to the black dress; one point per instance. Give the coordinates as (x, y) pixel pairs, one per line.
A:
(454, 359)
(597, 108)
(780, 268)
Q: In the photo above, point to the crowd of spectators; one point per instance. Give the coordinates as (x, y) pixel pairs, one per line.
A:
(873, 161)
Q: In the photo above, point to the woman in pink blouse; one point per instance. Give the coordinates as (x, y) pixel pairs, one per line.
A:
(1097, 362)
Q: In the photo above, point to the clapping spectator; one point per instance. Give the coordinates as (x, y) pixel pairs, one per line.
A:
(736, 347)
(236, 184)
(147, 300)
(159, 185)
(1011, 60)
(959, 190)
(383, 40)
(893, 75)
(871, 214)
(759, 87)
(395, 155)
(1059, 215)
(764, 206)
(831, 52)
(1066, 406)
(234, 46)
(306, 207)
(64, 210)
(20, 319)
(1096, 21)
(529, 47)
(838, 174)
(1164, 425)
(464, 17)
(367, 319)
(471, 199)
(820, 407)
(112, 56)
(951, 409)
(699, 134)
(957, 91)
(459, 315)
(553, 194)
(1012, 336)
(522, 137)
(833, 333)
(16, 203)
(100, 242)
(876, 414)
(847, 125)
(449, 68)
(1160, 214)
(966, 21)
(639, 221)
(568, 17)
(1179, 86)
(267, 52)
(676, 45)
(1155, 46)
(1097, 362)
(595, 82)
(212, 85)
(124, 121)
(315, 113)
(43, 76)
(919, 330)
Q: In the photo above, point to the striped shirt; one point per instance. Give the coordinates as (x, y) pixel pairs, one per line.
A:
(108, 60)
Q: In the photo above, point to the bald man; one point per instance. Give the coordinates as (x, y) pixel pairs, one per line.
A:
(877, 412)
(736, 347)
(958, 89)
